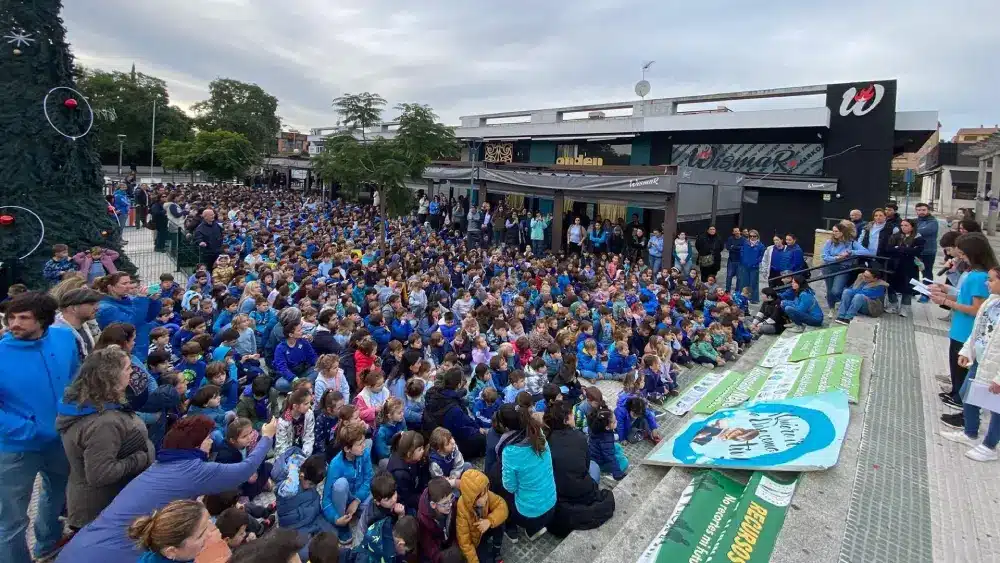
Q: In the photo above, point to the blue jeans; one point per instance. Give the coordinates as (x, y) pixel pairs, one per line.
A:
(595, 471)
(835, 288)
(749, 277)
(732, 271)
(970, 413)
(852, 303)
(537, 247)
(341, 498)
(655, 263)
(800, 318)
(19, 470)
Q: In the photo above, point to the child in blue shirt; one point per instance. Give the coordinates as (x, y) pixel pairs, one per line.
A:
(516, 385)
(634, 420)
(486, 406)
(390, 422)
(604, 448)
(413, 408)
(191, 366)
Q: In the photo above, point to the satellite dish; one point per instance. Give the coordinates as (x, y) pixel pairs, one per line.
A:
(642, 88)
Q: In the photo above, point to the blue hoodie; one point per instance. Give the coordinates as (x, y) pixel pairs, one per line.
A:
(357, 472)
(288, 359)
(805, 303)
(382, 446)
(176, 475)
(298, 509)
(751, 254)
(624, 418)
(140, 312)
(33, 376)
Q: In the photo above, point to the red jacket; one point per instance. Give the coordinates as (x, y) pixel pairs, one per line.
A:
(433, 539)
(362, 362)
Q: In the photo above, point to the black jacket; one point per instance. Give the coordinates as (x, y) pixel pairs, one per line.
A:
(580, 503)
(211, 235)
(411, 480)
(324, 343)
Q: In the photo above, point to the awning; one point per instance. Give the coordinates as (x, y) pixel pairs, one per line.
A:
(805, 184)
(576, 182)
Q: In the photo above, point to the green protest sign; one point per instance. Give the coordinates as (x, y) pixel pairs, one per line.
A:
(827, 373)
(816, 343)
(694, 529)
(753, 530)
(736, 389)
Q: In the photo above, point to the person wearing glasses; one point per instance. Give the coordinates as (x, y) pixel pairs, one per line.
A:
(751, 255)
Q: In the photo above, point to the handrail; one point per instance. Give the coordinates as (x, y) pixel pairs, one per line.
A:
(858, 268)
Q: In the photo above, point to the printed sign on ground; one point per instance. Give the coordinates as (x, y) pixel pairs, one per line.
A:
(718, 519)
(827, 373)
(753, 530)
(816, 343)
(812, 344)
(798, 434)
(698, 521)
(696, 392)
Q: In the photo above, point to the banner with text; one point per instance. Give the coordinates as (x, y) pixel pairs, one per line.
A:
(718, 519)
(696, 525)
(794, 434)
(812, 344)
(696, 392)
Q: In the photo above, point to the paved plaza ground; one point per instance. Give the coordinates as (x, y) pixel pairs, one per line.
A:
(900, 493)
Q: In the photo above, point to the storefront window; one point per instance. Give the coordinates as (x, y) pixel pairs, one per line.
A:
(602, 154)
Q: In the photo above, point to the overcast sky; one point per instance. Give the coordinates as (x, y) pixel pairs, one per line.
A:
(464, 57)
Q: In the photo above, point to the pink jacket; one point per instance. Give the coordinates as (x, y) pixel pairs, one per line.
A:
(84, 260)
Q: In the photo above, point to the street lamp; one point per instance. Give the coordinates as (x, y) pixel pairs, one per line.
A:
(121, 143)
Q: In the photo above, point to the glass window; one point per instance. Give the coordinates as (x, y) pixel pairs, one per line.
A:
(566, 151)
(611, 154)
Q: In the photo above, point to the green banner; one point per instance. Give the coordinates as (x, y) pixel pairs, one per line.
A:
(753, 530)
(827, 373)
(734, 390)
(717, 519)
(816, 343)
(694, 529)
(811, 377)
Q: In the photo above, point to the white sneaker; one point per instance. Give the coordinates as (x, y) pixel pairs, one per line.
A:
(904, 311)
(958, 436)
(538, 534)
(796, 328)
(981, 453)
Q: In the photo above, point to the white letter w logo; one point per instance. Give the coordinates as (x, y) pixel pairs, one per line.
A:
(860, 103)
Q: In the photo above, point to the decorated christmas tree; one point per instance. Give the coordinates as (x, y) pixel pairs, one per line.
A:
(51, 185)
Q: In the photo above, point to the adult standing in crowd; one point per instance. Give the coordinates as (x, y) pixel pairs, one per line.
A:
(905, 248)
(655, 246)
(875, 236)
(474, 227)
(39, 361)
(158, 215)
(858, 220)
(734, 245)
(774, 261)
(684, 253)
(141, 205)
(892, 216)
(927, 226)
(106, 444)
(121, 205)
(964, 301)
(423, 208)
(575, 236)
(181, 471)
(208, 236)
(120, 306)
(751, 256)
(77, 309)
(598, 237)
(538, 226)
(709, 244)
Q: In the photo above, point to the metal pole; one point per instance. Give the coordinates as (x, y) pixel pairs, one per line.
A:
(120, 145)
(981, 192)
(152, 143)
(992, 221)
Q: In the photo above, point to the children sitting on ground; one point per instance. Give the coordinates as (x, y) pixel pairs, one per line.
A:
(634, 420)
(390, 423)
(445, 458)
(409, 466)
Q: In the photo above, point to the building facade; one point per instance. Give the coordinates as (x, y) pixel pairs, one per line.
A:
(799, 169)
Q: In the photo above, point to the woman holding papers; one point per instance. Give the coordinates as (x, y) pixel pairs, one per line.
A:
(964, 301)
(981, 354)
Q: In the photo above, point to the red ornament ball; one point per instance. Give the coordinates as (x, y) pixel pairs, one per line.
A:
(6, 220)
(70, 103)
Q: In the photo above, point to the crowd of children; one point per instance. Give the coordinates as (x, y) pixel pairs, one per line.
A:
(387, 373)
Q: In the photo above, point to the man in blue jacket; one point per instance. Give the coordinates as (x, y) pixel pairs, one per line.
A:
(120, 306)
(927, 226)
(39, 361)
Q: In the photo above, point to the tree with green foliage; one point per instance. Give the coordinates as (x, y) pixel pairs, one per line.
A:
(131, 96)
(380, 163)
(241, 108)
(223, 155)
(57, 177)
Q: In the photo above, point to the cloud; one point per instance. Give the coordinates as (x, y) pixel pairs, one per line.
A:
(466, 57)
